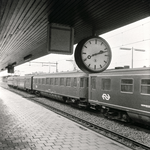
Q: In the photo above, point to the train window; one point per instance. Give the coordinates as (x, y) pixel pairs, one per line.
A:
(106, 84)
(127, 85)
(75, 82)
(61, 81)
(39, 81)
(43, 80)
(28, 80)
(81, 82)
(56, 81)
(93, 82)
(145, 86)
(51, 81)
(47, 80)
(68, 81)
(35, 80)
(87, 82)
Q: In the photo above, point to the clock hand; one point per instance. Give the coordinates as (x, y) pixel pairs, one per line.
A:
(104, 51)
(88, 57)
(95, 54)
(101, 52)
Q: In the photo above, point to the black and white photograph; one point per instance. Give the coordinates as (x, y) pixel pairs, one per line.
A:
(74, 74)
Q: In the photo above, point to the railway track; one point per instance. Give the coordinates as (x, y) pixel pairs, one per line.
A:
(133, 144)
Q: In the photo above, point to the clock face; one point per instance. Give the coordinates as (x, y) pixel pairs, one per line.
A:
(93, 55)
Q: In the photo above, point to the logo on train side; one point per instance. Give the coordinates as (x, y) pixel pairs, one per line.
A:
(106, 97)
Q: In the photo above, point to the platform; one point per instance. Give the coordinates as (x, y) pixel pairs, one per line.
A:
(25, 125)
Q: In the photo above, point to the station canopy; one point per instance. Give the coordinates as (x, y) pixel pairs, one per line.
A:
(24, 23)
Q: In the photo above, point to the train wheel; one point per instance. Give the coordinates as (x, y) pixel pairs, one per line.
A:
(98, 108)
(88, 106)
(126, 118)
(38, 93)
(64, 99)
(104, 112)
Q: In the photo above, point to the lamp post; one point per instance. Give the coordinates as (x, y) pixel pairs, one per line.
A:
(132, 49)
(50, 64)
(73, 63)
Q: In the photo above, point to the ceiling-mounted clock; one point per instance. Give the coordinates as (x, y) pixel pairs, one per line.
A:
(93, 55)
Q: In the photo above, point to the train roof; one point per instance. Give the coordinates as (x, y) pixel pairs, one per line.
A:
(134, 71)
(19, 77)
(63, 74)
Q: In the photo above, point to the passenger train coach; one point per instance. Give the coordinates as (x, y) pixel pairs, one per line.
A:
(122, 94)
(70, 86)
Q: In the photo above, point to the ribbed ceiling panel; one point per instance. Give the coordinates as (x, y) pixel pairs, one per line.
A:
(23, 26)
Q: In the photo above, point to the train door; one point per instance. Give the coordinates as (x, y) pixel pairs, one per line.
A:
(75, 86)
(92, 88)
(31, 83)
(83, 87)
(86, 87)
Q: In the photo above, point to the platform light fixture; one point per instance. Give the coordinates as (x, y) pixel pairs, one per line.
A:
(28, 57)
(10, 68)
(14, 64)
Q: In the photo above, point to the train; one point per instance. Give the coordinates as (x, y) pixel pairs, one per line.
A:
(120, 94)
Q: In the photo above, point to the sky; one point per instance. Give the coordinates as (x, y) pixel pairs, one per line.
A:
(133, 36)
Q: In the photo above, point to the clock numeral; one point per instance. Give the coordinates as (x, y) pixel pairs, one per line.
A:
(105, 48)
(105, 61)
(101, 66)
(85, 46)
(89, 65)
(83, 53)
(102, 43)
(106, 55)
(94, 66)
(90, 42)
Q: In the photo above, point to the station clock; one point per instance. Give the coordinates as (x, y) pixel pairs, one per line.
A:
(93, 55)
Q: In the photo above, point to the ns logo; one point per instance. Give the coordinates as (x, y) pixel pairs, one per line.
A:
(106, 97)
